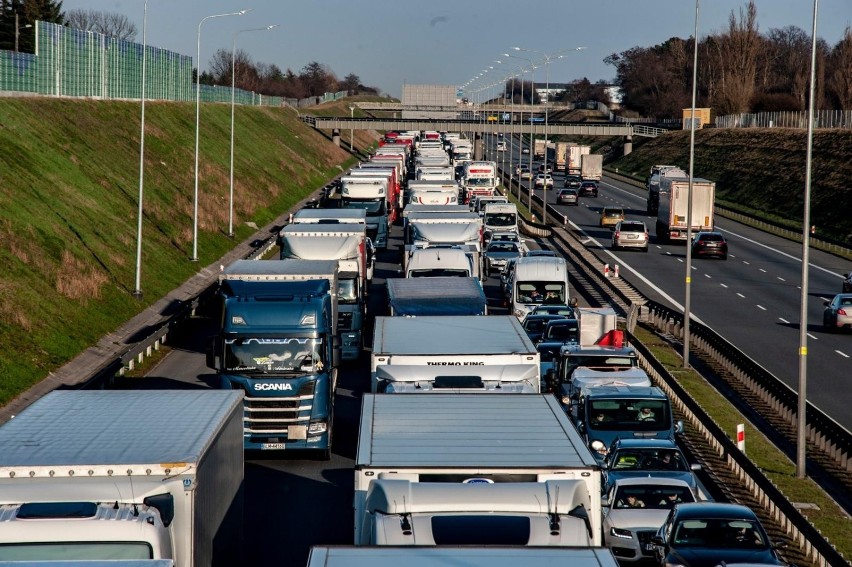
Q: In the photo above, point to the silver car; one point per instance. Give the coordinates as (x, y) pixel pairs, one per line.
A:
(838, 312)
(633, 511)
(630, 234)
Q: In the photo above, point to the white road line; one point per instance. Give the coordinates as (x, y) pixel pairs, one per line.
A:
(779, 252)
(741, 295)
(708, 276)
(783, 320)
(680, 260)
(646, 281)
(762, 270)
(780, 278)
(841, 353)
(723, 285)
(761, 307)
(746, 263)
(813, 337)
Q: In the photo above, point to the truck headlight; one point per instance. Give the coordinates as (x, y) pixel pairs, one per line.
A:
(598, 446)
(619, 533)
(317, 427)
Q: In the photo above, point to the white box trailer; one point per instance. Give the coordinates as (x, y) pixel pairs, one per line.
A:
(330, 216)
(495, 352)
(673, 207)
(334, 556)
(136, 474)
(93, 563)
(457, 454)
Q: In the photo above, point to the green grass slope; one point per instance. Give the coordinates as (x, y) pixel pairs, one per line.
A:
(69, 182)
(763, 171)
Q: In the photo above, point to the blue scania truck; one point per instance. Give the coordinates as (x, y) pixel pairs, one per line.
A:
(277, 343)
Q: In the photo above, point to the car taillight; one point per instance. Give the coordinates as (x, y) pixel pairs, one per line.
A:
(646, 235)
(617, 234)
(841, 312)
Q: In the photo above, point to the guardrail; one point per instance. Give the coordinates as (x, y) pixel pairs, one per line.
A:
(824, 434)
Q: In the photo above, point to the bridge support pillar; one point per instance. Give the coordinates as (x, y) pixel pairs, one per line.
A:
(628, 145)
(335, 137)
(478, 149)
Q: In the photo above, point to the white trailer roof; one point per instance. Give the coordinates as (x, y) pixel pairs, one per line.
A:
(419, 556)
(448, 335)
(272, 270)
(330, 216)
(116, 427)
(418, 208)
(468, 431)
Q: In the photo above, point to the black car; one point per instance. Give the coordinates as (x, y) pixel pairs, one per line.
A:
(534, 325)
(588, 189)
(706, 534)
(573, 181)
(563, 331)
(710, 244)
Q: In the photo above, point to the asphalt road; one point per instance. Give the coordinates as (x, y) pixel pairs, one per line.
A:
(753, 299)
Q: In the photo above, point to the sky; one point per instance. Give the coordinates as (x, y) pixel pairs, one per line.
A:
(388, 43)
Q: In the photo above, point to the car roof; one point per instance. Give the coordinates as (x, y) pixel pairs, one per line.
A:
(652, 480)
(541, 252)
(563, 320)
(716, 510)
(645, 444)
(543, 316)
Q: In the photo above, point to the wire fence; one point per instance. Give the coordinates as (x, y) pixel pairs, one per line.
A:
(795, 119)
(75, 63)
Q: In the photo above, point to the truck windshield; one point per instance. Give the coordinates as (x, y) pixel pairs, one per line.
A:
(263, 355)
(373, 208)
(80, 550)
(500, 219)
(347, 291)
(628, 414)
(439, 273)
(479, 182)
(611, 362)
(541, 292)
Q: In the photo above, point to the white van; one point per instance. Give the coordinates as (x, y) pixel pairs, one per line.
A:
(538, 280)
(439, 262)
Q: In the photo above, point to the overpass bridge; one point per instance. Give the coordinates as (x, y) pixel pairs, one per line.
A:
(482, 127)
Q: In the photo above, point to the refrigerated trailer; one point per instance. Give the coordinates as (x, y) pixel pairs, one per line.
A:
(673, 207)
(461, 454)
(340, 556)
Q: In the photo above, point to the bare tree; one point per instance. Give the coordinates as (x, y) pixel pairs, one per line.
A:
(788, 61)
(840, 71)
(108, 23)
(737, 57)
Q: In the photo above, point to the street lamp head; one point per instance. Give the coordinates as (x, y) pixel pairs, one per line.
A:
(272, 27)
(243, 12)
(516, 48)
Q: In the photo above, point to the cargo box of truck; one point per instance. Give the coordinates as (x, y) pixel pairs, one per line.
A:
(414, 297)
(133, 474)
(465, 341)
(673, 207)
(338, 556)
(514, 455)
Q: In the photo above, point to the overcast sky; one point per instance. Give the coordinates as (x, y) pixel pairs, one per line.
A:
(391, 42)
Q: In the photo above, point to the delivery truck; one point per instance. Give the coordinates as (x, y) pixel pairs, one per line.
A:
(575, 157)
(141, 474)
(591, 167)
(464, 352)
(673, 207)
(415, 297)
(431, 467)
(452, 556)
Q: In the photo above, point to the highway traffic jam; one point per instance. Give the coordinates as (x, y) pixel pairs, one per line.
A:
(497, 419)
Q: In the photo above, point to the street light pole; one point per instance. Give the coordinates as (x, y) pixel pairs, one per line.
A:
(194, 257)
(18, 31)
(233, 96)
(137, 289)
(688, 278)
(352, 128)
(547, 59)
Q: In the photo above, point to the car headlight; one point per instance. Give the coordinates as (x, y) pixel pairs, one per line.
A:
(619, 533)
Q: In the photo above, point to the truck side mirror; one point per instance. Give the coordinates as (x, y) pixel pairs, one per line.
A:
(335, 352)
(210, 353)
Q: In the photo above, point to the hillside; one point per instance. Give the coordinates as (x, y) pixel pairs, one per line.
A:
(68, 191)
(763, 170)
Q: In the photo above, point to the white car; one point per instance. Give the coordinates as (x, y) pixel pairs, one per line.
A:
(633, 511)
(501, 146)
(544, 180)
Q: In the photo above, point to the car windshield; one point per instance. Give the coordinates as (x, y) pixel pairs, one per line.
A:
(541, 292)
(647, 459)
(650, 496)
(262, 355)
(503, 247)
(719, 533)
(628, 415)
(708, 237)
(614, 213)
(632, 227)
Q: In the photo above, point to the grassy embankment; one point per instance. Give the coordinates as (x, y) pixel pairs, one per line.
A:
(69, 186)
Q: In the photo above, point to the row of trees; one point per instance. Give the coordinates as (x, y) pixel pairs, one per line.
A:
(18, 16)
(582, 90)
(739, 70)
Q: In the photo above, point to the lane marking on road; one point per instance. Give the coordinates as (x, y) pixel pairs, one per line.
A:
(783, 320)
(723, 285)
(761, 307)
(741, 295)
(813, 337)
(746, 263)
(790, 256)
(762, 270)
(680, 260)
(625, 266)
(708, 276)
(841, 353)
(780, 278)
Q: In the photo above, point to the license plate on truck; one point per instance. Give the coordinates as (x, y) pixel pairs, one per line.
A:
(269, 446)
